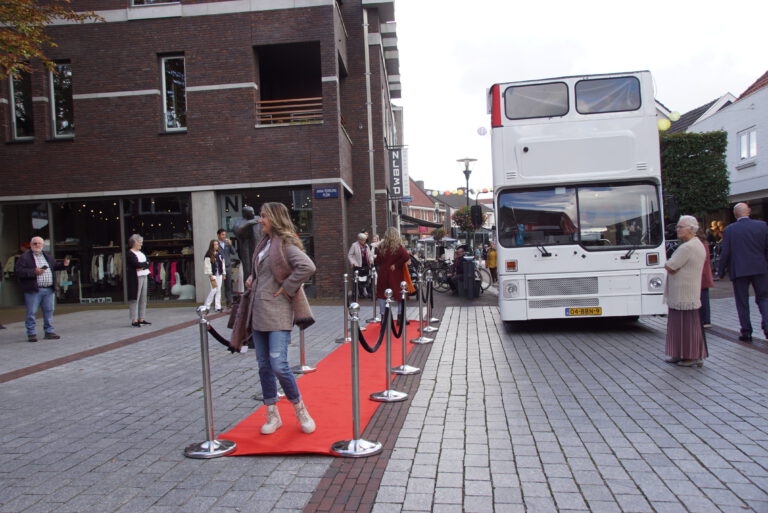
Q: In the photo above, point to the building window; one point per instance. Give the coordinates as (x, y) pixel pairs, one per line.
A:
(62, 106)
(748, 144)
(151, 2)
(174, 94)
(23, 125)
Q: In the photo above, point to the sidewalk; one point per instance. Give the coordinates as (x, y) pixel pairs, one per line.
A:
(556, 416)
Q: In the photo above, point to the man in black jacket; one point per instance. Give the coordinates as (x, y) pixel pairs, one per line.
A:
(229, 255)
(34, 270)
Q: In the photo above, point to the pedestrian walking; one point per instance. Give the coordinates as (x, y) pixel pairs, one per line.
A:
(137, 270)
(276, 303)
(361, 258)
(214, 268)
(34, 270)
(391, 259)
(744, 255)
(229, 255)
(685, 337)
(491, 262)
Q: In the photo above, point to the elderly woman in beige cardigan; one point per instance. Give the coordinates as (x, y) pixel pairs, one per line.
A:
(685, 337)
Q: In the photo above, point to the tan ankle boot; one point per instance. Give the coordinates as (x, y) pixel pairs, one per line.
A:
(273, 420)
(307, 424)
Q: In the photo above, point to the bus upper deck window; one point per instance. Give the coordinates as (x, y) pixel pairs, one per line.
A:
(607, 95)
(536, 101)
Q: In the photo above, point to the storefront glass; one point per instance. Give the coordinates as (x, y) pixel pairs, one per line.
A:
(19, 222)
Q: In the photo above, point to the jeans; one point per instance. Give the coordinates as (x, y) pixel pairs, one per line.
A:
(214, 296)
(43, 297)
(272, 354)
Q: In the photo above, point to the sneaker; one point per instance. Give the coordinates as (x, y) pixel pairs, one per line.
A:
(31, 338)
(52, 336)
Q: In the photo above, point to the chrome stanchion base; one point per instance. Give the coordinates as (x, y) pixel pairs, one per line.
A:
(422, 340)
(210, 449)
(428, 329)
(389, 396)
(434, 319)
(375, 319)
(405, 370)
(343, 340)
(302, 369)
(356, 448)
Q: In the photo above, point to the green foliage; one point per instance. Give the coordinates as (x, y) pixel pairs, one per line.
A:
(438, 233)
(694, 171)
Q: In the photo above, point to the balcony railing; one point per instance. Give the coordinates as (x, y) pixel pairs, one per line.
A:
(289, 112)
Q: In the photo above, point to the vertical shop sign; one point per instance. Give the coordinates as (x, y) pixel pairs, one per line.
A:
(398, 172)
(231, 210)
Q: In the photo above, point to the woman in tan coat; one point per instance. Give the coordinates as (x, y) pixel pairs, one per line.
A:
(685, 338)
(278, 270)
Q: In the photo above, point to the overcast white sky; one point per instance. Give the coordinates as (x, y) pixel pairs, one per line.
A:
(451, 51)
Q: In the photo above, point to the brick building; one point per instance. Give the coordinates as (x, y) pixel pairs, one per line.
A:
(168, 117)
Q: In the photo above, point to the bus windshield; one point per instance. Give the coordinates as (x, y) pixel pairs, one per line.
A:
(595, 216)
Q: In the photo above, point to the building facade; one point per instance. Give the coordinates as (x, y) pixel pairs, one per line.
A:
(167, 118)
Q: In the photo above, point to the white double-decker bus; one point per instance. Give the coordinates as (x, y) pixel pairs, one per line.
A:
(577, 195)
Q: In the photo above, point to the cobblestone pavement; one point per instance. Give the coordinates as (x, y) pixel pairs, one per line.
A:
(580, 416)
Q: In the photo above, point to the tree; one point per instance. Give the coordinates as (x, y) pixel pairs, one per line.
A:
(22, 31)
(694, 172)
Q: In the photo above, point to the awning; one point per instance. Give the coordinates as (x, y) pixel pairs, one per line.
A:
(419, 222)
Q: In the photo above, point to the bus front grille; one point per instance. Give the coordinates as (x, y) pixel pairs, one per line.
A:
(562, 286)
(564, 302)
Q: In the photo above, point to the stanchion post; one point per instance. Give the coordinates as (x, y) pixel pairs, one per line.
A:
(357, 294)
(430, 319)
(211, 448)
(422, 339)
(303, 368)
(388, 395)
(404, 369)
(356, 447)
(345, 338)
(376, 317)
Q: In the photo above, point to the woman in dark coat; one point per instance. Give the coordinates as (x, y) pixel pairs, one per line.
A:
(136, 272)
(391, 258)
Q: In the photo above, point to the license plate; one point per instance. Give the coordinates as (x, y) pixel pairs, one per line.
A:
(570, 312)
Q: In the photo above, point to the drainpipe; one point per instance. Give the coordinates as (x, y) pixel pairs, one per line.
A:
(368, 106)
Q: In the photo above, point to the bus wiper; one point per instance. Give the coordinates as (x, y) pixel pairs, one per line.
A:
(543, 250)
(629, 253)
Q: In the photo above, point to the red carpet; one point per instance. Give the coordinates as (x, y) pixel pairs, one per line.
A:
(328, 396)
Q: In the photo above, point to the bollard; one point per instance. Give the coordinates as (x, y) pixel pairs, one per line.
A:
(388, 395)
(376, 317)
(211, 448)
(422, 339)
(303, 368)
(345, 338)
(406, 370)
(356, 447)
(430, 319)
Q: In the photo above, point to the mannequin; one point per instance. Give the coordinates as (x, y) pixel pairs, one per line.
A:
(248, 233)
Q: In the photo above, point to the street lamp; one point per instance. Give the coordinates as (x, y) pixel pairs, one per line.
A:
(467, 172)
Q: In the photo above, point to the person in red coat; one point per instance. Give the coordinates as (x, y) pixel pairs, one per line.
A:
(391, 258)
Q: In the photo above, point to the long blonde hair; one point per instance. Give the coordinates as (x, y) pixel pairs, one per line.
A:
(282, 226)
(391, 241)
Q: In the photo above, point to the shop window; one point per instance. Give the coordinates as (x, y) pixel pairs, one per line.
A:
(290, 84)
(19, 222)
(174, 93)
(22, 123)
(165, 222)
(62, 105)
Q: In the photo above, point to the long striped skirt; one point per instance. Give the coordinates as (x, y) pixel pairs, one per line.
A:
(685, 336)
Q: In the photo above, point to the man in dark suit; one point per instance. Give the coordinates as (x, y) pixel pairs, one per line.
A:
(228, 253)
(744, 255)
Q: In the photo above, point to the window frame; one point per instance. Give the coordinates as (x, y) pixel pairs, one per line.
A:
(12, 98)
(751, 142)
(151, 3)
(521, 86)
(54, 114)
(164, 93)
(603, 79)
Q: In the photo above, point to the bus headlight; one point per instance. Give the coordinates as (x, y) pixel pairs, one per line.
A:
(655, 282)
(511, 289)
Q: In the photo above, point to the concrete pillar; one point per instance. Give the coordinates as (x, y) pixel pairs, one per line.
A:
(205, 221)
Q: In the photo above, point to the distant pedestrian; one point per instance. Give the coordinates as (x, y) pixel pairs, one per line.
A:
(360, 257)
(34, 269)
(229, 255)
(137, 270)
(390, 260)
(214, 268)
(491, 263)
(685, 337)
(744, 255)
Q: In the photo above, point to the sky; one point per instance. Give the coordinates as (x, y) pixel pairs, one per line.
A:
(451, 52)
